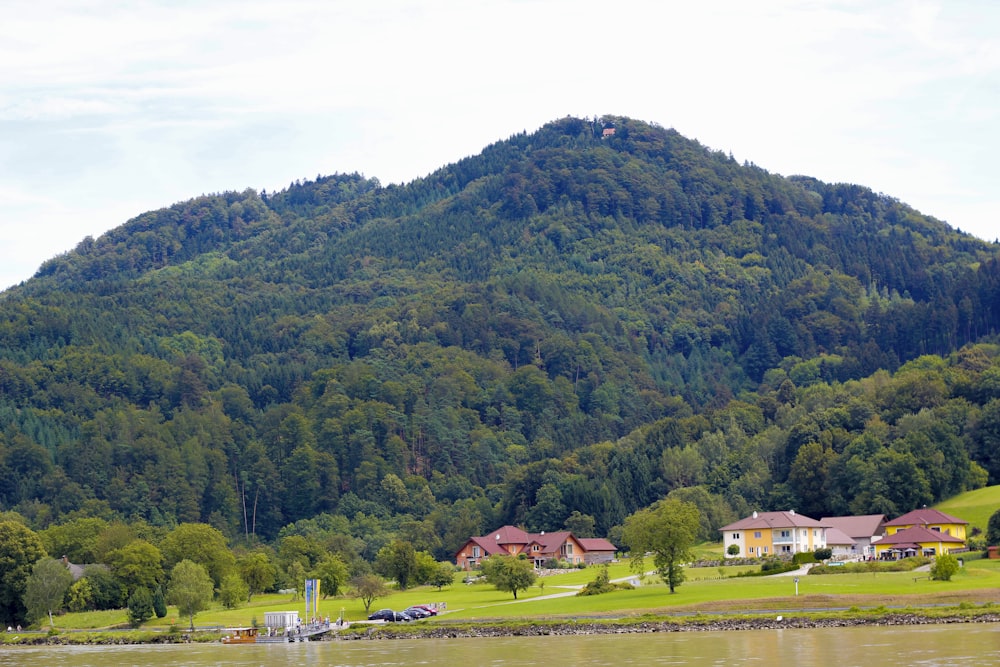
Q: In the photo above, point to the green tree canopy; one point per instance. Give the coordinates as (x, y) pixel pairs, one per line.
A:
(368, 588)
(258, 571)
(20, 549)
(332, 573)
(190, 589)
(509, 573)
(202, 544)
(667, 530)
(138, 564)
(397, 560)
(140, 607)
(45, 589)
(233, 591)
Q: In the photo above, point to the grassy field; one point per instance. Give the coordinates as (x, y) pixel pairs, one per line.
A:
(976, 507)
(706, 590)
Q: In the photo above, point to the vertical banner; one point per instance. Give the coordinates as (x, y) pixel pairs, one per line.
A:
(312, 599)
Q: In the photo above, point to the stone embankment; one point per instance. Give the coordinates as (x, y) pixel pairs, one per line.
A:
(636, 627)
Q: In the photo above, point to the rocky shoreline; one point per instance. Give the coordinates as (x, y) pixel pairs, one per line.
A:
(638, 627)
(700, 623)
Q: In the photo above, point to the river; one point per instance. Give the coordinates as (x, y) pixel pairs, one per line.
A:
(954, 645)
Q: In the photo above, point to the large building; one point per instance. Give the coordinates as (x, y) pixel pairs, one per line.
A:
(540, 548)
(922, 532)
(773, 534)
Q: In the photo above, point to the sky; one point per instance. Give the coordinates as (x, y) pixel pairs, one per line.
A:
(110, 108)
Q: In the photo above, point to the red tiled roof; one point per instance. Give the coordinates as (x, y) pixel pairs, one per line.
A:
(919, 535)
(509, 535)
(856, 526)
(774, 520)
(838, 537)
(596, 544)
(551, 542)
(923, 517)
(496, 541)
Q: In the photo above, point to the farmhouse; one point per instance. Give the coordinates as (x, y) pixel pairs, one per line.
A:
(539, 547)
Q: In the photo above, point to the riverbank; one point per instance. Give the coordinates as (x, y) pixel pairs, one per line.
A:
(555, 627)
(715, 623)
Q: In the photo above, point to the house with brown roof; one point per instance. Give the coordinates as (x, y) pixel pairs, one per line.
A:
(541, 548)
(931, 519)
(859, 534)
(917, 541)
(597, 550)
(773, 534)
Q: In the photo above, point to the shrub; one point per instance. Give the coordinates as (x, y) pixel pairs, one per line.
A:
(944, 568)
(804, 557)
(823, 554)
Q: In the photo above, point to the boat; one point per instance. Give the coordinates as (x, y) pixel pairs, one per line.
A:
(241, 636)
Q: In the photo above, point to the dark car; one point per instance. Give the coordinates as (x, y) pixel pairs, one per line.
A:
(426, 607)
(389, 616)
(416, 612)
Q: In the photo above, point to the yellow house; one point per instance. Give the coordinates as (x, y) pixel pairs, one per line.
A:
(773, 534)
(916, 541)
(930, 519)
(922, 532)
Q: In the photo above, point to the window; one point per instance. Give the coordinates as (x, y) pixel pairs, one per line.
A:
(535, 547)
(764, 549)
(786, 533)
(756, 534)
(736, 536)
(786, 549)
(475, 552)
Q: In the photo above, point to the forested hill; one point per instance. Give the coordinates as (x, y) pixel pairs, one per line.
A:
(565, 327)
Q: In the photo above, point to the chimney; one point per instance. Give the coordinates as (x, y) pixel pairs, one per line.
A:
(792, 512)
(755, 514)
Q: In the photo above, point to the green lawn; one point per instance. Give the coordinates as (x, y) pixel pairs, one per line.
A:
(976, 507)
(704, 587)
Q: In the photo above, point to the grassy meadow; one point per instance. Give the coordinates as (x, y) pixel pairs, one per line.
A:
(710, 589)
(976, 507)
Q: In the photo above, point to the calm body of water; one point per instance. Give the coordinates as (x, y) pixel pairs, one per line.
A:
(952, 645)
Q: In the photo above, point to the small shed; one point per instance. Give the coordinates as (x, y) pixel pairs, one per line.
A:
(281, 620)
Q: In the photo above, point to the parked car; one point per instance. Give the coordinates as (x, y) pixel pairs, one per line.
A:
(416, 612)
(389, 616)
(426, 607)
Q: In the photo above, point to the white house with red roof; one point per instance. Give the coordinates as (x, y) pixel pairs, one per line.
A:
(773, 534)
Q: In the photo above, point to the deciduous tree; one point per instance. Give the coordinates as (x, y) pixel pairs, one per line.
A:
(509, 573)
(190, 589)
(45, 588)
(667, 530)
(20, 549)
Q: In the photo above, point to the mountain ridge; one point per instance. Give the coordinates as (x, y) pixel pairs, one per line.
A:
(563, 307)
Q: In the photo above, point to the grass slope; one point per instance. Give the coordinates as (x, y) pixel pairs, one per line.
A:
(976, 507)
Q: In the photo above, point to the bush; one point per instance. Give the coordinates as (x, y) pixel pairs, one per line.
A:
(804, 557)
(944, 568)
(772, 566)
(823, 554)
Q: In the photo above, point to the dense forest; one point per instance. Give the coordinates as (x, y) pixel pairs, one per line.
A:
(555, 332)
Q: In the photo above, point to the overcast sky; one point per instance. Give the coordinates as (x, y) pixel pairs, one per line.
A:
(112, 108)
